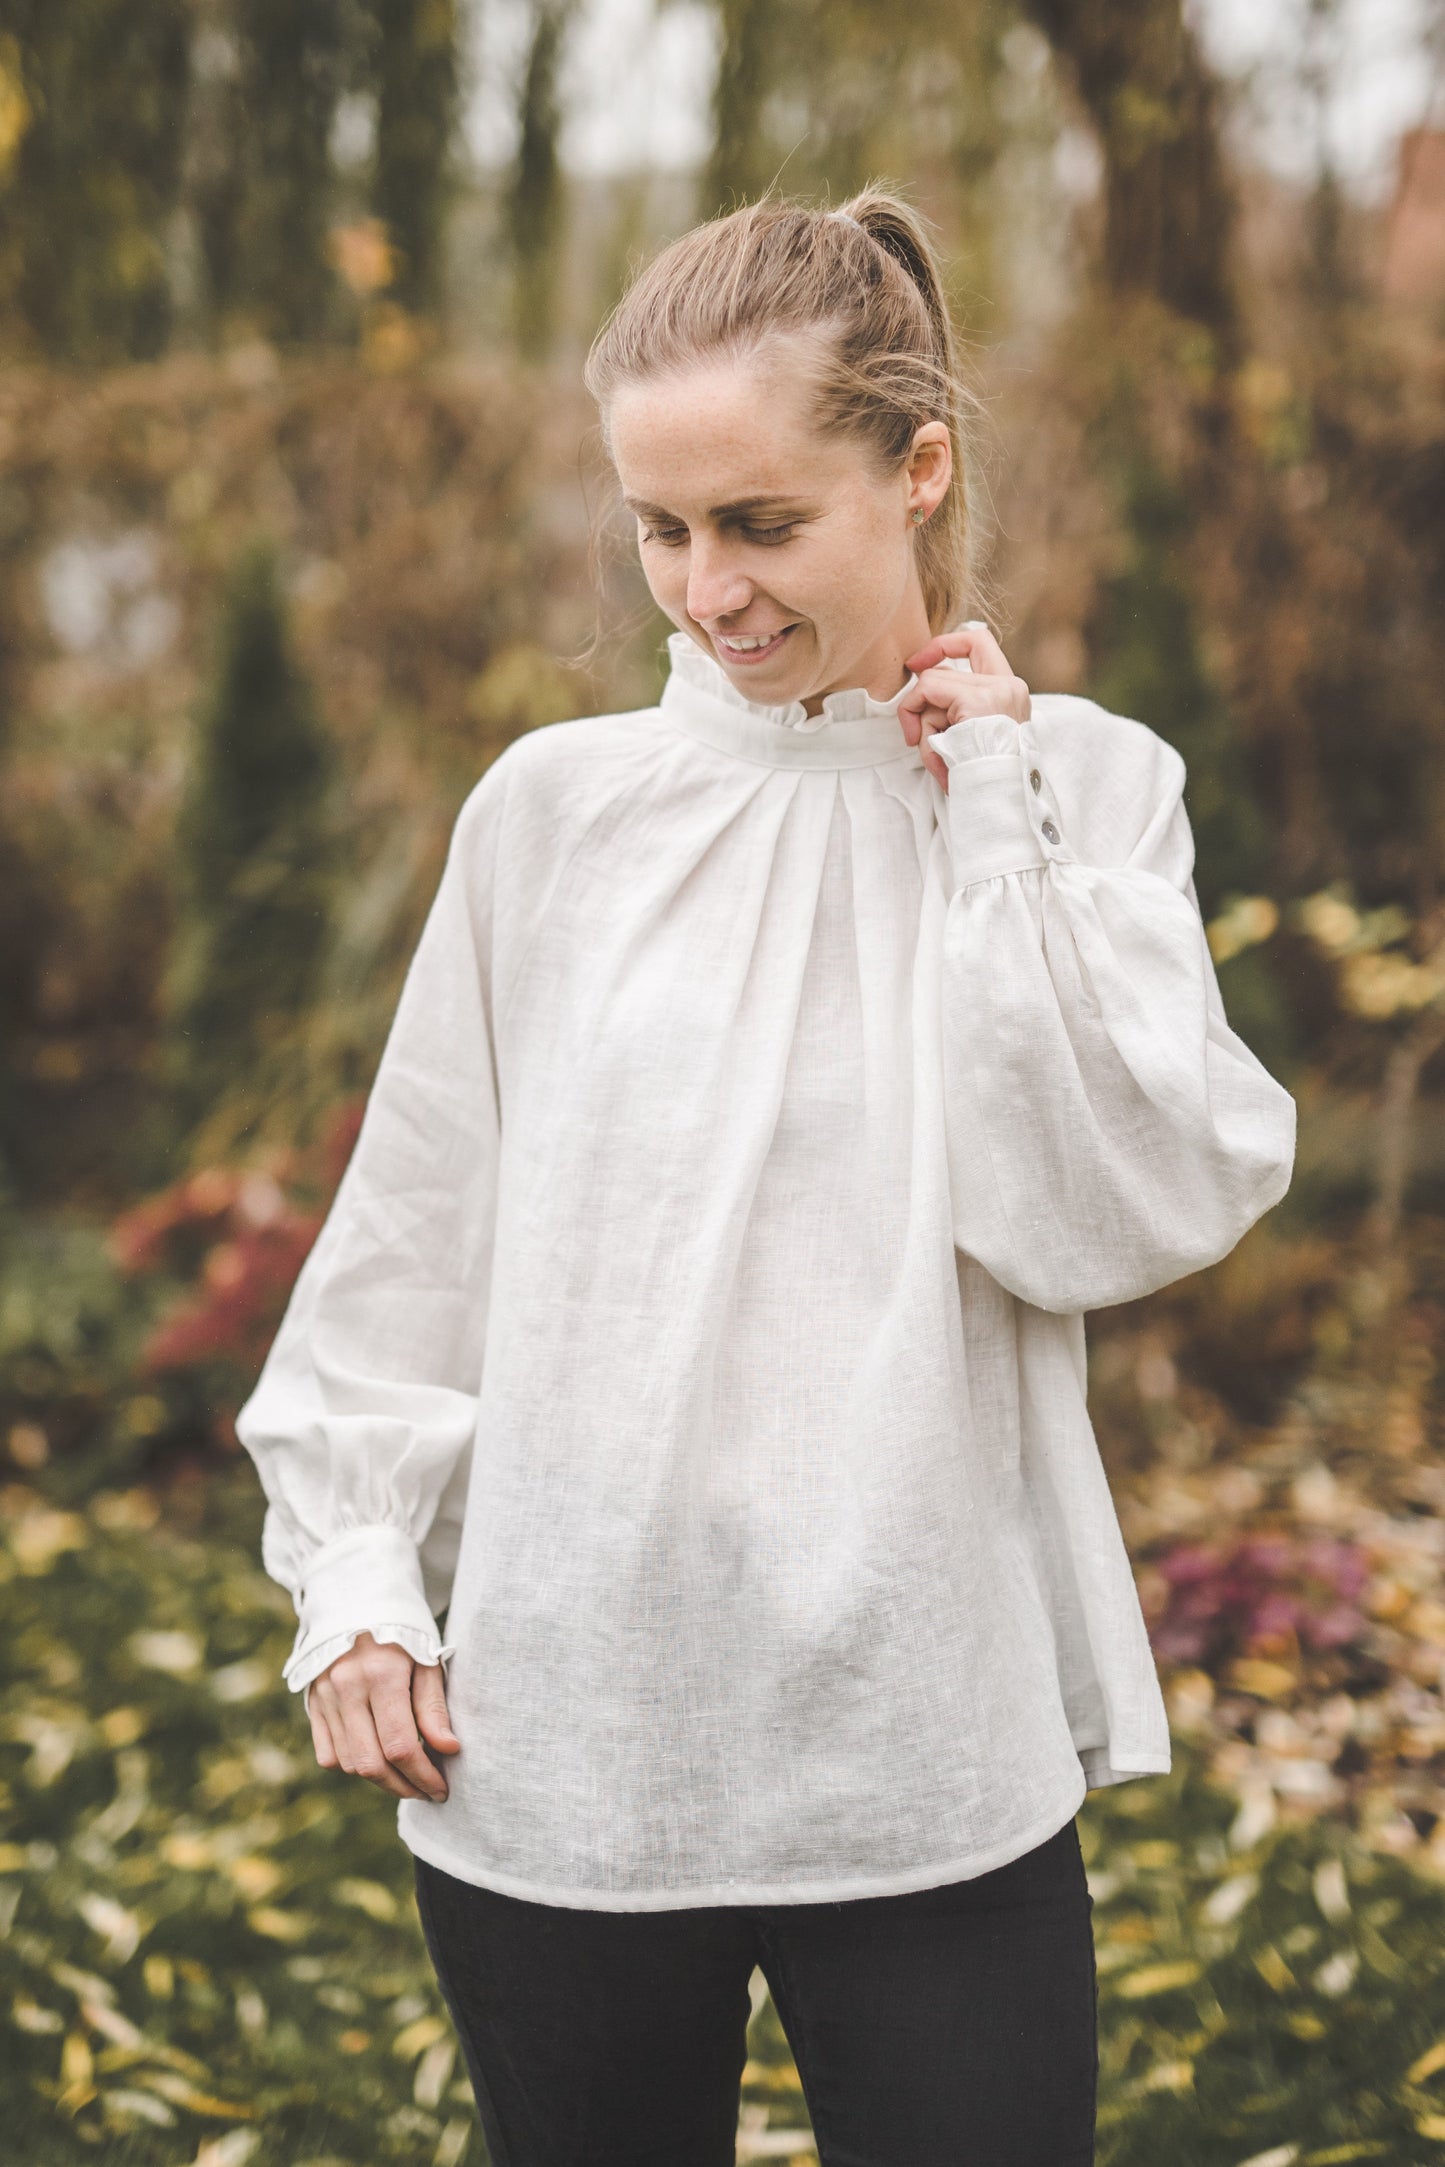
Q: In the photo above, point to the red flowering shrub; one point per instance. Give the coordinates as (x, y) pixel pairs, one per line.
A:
(1254, 1594)
(230, 1243)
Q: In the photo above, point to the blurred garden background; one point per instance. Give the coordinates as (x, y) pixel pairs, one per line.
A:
(295, 486)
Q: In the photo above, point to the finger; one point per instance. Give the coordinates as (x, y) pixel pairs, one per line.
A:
(401, 1742)
(947, 693)
(975, 642)
(322, 1702)
(429, 1702)
(933, 651)
(988, 655)
(321, 1738)
(368, 1758)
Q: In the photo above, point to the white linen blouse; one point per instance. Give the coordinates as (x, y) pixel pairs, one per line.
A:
(699, 1320)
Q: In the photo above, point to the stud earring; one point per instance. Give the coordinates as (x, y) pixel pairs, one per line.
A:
(918, 515)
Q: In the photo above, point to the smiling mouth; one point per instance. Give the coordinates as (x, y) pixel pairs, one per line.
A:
(749, 647)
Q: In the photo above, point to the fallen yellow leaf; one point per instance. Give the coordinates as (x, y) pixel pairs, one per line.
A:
(77, 2063)
(1253, 1674)
(122, 1726)
(255, 1876)
(278, 1925)
(372, 1897)
(1170, 2077)
(38, 1538)
(188, 1849)
(417, 2037)
(1158, 1979)
(1273, 1969)
(1432, 2059)
(169, 2086)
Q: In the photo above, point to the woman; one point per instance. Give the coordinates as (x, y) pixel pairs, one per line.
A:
(781, 1074)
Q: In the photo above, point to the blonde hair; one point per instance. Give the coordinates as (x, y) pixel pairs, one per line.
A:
(861, 285)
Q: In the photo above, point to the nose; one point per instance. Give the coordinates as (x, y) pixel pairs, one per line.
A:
(716, 586)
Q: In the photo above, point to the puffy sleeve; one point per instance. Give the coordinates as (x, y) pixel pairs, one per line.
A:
(362, 1419)
(1108, 1132)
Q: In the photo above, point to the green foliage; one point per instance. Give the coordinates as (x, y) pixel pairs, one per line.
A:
(1146, 662)
(254, 848)
(67, 1320)
(94, 89)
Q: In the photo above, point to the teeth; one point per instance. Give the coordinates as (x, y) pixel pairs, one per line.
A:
(745, 646)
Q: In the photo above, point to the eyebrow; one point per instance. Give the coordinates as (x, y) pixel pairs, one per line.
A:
(715, 511)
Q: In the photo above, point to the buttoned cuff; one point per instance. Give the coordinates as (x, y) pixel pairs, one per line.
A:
(1002, 816)
(365, 1580)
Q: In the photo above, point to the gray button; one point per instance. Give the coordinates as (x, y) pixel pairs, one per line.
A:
(1051, 831)
(1035, 777)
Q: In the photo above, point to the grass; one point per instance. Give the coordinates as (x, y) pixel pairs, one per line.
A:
(211, 1956)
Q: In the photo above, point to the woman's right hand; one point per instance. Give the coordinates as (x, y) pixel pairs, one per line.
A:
(374, 1713)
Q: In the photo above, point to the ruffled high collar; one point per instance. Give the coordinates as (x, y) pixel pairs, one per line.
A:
(854, 729)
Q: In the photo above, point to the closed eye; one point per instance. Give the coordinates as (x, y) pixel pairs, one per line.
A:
(769, 537)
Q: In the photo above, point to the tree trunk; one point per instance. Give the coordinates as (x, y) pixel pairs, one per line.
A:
(1408, 1057)
(534, 198)
(735, 168)
(416, 97)
(1168, 208)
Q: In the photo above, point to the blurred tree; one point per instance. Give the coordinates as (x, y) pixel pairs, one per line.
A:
(534, 197)
(824, 96)
(1168, 205)
(741, 162)
(414, 70)
(214, 164)
(268, 76)
(254, 852)
(89, 173)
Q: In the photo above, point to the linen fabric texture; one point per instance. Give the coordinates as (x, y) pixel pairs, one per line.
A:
(699, 1321)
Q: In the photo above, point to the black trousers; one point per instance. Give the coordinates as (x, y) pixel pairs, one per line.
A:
(949, 2027)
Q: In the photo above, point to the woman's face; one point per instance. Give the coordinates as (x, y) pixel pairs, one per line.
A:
(785, 552)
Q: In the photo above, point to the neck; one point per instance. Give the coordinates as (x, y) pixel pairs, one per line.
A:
(882, 668)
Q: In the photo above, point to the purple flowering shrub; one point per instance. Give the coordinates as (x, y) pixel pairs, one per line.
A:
(1255, 1595)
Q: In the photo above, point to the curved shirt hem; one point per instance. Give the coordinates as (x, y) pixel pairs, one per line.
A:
(731, 1892)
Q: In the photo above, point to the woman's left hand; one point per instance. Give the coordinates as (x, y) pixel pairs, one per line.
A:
(942, 697)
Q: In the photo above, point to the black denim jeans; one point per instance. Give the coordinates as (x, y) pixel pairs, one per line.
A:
(948, 2027)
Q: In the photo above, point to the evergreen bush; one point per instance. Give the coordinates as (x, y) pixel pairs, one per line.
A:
(254, 844)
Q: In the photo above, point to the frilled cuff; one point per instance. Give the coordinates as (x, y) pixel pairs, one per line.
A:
(1001, 808)
(365, 1580)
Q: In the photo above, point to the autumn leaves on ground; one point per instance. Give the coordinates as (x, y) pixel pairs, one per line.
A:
(210, 1952)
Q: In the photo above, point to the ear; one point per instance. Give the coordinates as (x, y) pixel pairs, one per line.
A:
(929, 469)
